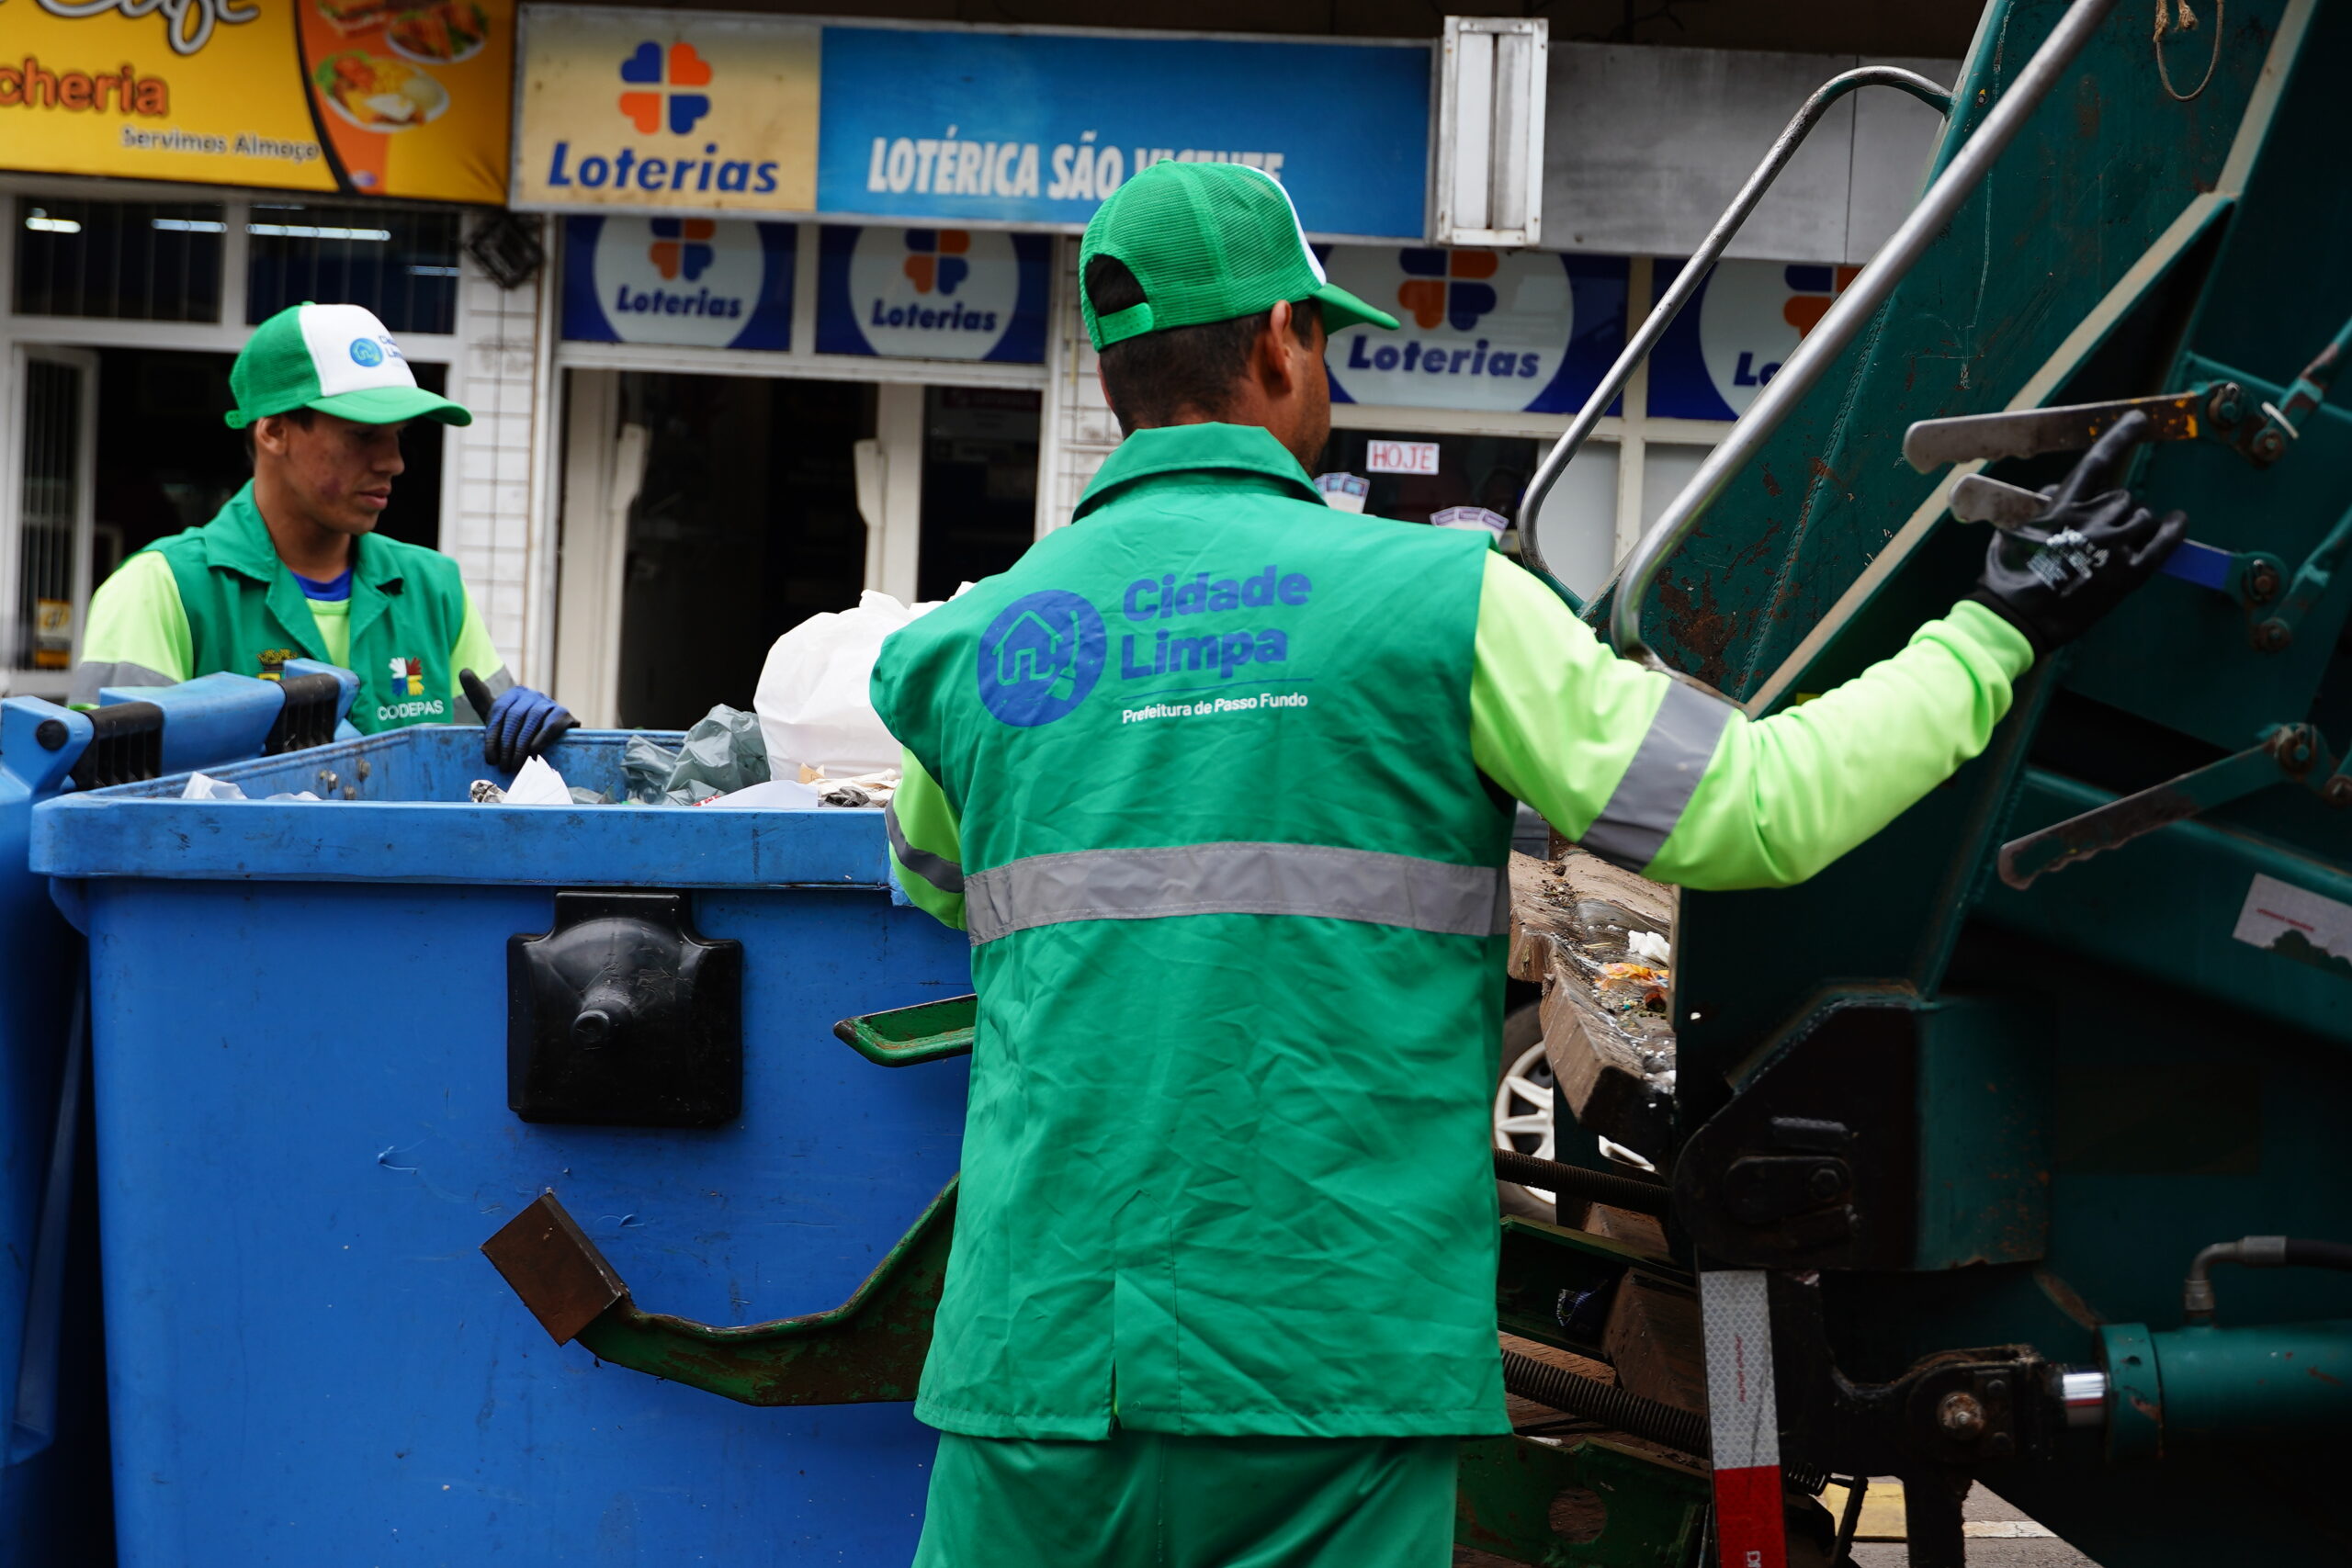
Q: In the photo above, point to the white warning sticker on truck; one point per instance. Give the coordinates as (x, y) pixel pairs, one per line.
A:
(2294, 923)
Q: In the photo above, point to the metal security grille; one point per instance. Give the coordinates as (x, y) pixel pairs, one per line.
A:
(132, 260)
(47, 542)
(401, 266)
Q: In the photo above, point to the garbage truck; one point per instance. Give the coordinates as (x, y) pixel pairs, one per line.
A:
(1999, 1155)
(1996, 1155)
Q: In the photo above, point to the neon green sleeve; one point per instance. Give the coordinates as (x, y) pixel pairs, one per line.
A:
(926, 844)
(1683, 786)
(475, 651)
(137, 634)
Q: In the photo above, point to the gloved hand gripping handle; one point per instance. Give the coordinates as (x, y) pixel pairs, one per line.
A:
(518, 724)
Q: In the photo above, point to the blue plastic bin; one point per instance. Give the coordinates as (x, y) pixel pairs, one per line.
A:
(53, 1462)
(39, 955)
(301, 1084)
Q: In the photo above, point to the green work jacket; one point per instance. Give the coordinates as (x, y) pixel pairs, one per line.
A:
(1217, 780)
(217, 598)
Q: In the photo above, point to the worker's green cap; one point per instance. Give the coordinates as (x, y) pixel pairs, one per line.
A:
(1208, 242)
(337, 359)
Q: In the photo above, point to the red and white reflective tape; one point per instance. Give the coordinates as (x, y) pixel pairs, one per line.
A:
(1742, 1419)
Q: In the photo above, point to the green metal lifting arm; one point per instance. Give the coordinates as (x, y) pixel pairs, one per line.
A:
(869, 1348)
(2289, 753)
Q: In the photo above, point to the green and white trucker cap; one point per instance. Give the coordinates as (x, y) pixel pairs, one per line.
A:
(337, 359)
(1208, 242)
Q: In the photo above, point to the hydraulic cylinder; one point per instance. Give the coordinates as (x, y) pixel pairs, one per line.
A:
(2202, 1386)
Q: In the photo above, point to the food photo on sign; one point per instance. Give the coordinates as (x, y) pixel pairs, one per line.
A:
(381, 72)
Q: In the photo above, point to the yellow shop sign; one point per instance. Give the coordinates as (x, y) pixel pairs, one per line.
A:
(370, 97)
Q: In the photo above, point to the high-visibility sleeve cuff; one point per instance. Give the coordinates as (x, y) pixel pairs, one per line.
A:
(2006, 646)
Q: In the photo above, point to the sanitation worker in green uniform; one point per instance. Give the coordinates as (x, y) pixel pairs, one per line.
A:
(292, 567)
(1218, 781)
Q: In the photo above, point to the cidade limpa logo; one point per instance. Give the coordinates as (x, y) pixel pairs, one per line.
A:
(1040, 658)
(650, 67)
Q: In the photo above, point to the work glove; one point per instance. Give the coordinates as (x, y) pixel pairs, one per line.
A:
(2052, 577)
(518, 724)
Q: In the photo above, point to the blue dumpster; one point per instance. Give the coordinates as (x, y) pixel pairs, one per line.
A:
(312, 1024)
(37, 1013)
(53, 1466)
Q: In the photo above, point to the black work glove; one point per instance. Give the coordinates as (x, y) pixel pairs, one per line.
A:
(2054, 577)
(518, 725)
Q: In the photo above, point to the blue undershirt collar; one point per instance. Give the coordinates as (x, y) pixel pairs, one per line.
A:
(332, 589)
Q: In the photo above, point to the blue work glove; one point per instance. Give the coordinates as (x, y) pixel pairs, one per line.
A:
(518, 724)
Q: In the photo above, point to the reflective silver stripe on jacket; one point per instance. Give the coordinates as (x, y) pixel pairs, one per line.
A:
(937, 870)
(1311, 880)
(1658, 782)
(91, 674)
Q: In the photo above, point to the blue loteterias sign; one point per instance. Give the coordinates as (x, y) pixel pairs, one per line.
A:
(1037, 127)
(693, 282)
(942, 293)
(1495, 331)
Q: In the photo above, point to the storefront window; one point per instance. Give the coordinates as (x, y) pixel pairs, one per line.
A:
(1664, 470)
(55, 471)
(132, 260)
(979, 483)
(400, 264)
(745, 524)
(1412, 475)
(165, 462)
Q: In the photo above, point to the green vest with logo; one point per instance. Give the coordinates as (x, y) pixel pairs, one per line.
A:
(1235, 888)
(247, 614)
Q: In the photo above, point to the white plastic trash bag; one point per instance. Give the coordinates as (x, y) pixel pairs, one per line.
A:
(812, 701)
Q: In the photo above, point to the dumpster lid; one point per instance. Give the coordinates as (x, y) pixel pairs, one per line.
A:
(397, 811)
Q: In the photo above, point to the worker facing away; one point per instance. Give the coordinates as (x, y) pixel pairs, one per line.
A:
(292, 567)
(1218, 781)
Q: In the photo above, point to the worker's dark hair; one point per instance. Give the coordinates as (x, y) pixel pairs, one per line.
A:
(300, 416)
(1154, 379)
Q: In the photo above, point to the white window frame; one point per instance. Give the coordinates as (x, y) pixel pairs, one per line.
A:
(226, 335)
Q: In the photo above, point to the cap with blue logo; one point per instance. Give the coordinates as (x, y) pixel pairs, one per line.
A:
(337, 359)
(1208, 243)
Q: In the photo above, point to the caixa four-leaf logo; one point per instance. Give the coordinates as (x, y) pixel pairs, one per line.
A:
(1041, 658)
(661, 79)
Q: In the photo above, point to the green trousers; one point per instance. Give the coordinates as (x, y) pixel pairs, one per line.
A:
(1150, 1500)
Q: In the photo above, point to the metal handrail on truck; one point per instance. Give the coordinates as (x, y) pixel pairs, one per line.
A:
(1844, 319)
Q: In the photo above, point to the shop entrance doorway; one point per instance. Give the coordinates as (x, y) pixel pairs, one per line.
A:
(979, 483)
(744, 524)
(704, 516)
